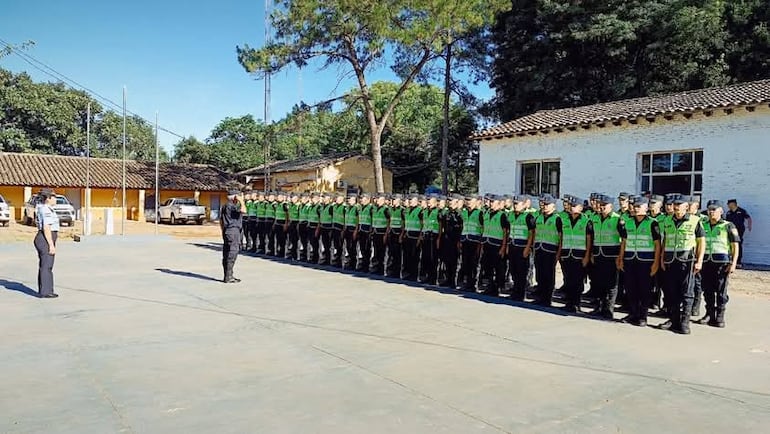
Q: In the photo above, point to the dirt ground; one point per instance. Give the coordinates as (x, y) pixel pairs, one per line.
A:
(753, 282)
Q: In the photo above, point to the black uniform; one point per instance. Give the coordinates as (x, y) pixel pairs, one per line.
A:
(518, 265)
(364, 241)
(231, 221)
(393, 240)
(639, 284)
(492, 263)
(738, 218)
(545, 267)
(451, 229)
(679, 284)
(573, 270)
(378, 244)
(471, 250)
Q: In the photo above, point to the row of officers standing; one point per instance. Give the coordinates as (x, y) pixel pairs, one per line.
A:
(648, 252)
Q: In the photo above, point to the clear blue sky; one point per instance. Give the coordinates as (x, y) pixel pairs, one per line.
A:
(176, 57)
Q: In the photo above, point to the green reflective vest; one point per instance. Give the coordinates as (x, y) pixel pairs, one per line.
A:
(493, 232)
(430, 222)
(380, 219)
(639, 242)
(472, 229)
(251, 208)
(546, 233)
(606, 236)
(680, 241)
(261, 209)
(351, 216)
(519, 229)
(326, 216)
(574, 243)
(303, 208)
(412, 222)
(365, 217)
(718, 247)
(270, 210)
(338, 215)
(293, 212)
(396, 218)
(280, 213)
(312, 214)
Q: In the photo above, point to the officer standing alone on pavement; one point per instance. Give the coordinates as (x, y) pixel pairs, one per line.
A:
(45, 242)
(231, 222)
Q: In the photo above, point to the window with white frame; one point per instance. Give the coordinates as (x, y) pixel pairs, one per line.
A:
(672, 172)
(539, 177)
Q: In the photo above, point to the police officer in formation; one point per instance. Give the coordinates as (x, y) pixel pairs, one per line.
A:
(658, 243)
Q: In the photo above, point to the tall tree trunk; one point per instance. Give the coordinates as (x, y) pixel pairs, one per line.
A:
(445, 128)
(376, 137)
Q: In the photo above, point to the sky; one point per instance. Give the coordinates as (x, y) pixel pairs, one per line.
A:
(176, 57)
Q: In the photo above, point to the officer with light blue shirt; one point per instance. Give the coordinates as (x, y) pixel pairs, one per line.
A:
(45, 242)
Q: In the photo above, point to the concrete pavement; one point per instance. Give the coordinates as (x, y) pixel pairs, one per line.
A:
(144, 339)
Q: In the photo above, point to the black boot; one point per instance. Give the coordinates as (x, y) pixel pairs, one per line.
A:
(719, 319)
(666, 325)
(683, 328)
(707, 319)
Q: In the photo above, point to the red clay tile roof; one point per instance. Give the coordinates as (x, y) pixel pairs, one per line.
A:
(755, 92)
(61, 171)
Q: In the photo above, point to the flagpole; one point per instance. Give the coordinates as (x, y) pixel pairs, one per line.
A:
(123, 206)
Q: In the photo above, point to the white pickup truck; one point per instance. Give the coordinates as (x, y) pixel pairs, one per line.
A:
(180, 210)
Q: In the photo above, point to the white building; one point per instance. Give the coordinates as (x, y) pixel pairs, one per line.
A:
(712, 142)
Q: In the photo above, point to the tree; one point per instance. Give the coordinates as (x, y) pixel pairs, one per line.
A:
(358, 34)
(192, 150)
(560, 53)
(140, 138)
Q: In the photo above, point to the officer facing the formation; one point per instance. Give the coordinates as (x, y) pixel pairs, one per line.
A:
(231, 222)
(449, 242)
(639, 259)
(577, 241)
(721, 260)
(520, 245)
(548, 240)
(684, 247)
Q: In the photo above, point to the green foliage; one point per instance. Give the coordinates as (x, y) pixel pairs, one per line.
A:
(358, 34)
(561, 53)
(51, 118)
(235, 144)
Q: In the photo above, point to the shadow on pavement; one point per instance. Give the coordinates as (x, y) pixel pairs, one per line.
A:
(187, 274)
(19, 287)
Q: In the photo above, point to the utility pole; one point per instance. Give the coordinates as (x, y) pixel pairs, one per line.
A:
(87, 217)
(157, 173)
(268, 132)
(123, 206)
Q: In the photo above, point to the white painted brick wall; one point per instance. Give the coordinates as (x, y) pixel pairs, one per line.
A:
(736, 162)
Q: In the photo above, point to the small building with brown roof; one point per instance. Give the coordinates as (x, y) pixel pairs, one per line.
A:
(346, 171)
(711, 142)
(101, 180)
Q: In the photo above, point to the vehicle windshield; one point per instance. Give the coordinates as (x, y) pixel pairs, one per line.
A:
(61, 200)
(186, 202)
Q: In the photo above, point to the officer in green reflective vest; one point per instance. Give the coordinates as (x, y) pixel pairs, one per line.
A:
(259, 227)
(655, 212)
(520, 242)
(548, 239)
(494, 239)
(269, 223)
(280, 225)
(684, 247)
(326, 229)
(380, 218)
(410, 239)
(350, 233)
(338, 218)
(606, 250)
(364, 240)
(721, 260)
(429, 242)
(470, 242)
(292, 226)
(639, 259)
(694, 202)
(251, 221)
(313, 228)
(304, 203)
(393, 236)
(577, 241)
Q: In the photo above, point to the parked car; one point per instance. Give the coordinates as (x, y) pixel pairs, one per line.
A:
(63, 209)
(178, 210)
(5, 212)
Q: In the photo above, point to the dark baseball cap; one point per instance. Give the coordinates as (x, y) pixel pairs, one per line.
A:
(656, 198)
(714, 204)
(623, 195)
(640, 200)
(547, 199)
(575, 201)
